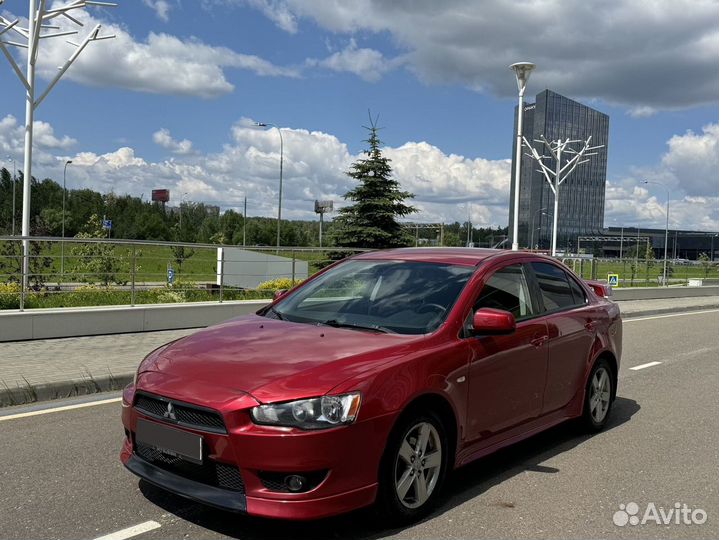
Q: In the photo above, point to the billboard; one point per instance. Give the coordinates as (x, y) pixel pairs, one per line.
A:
(322, 207)
(161, 195)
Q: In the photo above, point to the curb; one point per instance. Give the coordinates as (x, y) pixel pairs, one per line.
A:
(663, 311)
(25, 395)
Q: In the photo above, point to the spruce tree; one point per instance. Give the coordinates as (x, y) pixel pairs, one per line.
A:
(371, 222)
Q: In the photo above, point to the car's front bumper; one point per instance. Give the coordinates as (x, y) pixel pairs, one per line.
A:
(350, 455)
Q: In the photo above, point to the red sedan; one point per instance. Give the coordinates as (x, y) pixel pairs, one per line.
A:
(371, 381)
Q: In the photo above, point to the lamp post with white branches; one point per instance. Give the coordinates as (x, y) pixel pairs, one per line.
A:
(39, 15)
(521, 71)
(556, 177)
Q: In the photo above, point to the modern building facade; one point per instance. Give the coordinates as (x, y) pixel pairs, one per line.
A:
(581, 201)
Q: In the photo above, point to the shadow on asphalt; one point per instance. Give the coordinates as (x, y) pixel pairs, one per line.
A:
(472, 481)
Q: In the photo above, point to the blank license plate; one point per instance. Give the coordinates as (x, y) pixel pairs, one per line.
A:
(168, 440)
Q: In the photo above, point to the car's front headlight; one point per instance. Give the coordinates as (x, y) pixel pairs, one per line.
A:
(316, 413)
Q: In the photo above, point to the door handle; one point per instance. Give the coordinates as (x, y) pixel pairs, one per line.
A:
(589, 326)
(539, 340)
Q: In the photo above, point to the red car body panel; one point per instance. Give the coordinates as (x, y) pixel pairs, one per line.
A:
(499, 389)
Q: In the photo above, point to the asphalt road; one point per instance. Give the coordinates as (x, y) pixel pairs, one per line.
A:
(61, 477)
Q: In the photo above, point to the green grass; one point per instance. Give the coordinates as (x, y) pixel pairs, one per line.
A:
(645, 276)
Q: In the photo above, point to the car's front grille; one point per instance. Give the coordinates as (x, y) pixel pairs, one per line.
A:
(184, 413)
(210, 472)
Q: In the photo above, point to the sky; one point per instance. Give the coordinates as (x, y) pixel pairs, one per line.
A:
(171, 101)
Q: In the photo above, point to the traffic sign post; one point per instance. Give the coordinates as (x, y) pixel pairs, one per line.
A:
(613, 280)
(170, 275)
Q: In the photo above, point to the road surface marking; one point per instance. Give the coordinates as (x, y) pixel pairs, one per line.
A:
(131, 531)
(632, 319)
(642, 366)
(59, 409)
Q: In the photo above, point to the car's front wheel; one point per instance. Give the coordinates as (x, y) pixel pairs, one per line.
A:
(414, 467)
(598, 396)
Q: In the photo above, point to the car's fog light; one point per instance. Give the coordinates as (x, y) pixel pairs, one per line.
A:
(295, 482)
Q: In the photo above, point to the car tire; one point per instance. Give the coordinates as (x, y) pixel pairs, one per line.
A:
(413, 468)
(598, 396)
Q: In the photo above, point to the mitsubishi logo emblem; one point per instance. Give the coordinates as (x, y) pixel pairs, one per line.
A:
(170, 412)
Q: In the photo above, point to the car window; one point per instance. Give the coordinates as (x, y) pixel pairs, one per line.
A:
(405, 297)
(580, 297)
(507, 289)
(554, 286)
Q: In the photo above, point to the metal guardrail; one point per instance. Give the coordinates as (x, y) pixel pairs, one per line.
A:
(73, 271)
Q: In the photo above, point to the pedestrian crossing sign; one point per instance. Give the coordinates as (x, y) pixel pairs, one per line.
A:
(613, 279)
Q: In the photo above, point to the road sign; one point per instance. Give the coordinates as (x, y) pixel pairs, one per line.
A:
(170, 275)
(613, 279)
(107, 224)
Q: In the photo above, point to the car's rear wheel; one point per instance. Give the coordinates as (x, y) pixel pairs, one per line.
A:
(413, 468)
(598, 396)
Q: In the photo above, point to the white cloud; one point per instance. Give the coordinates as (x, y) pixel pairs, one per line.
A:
(689, 169)
(368, 64)
(160, 7)
(446, 186)
(159, 64)
(163, 138)
(645, 55)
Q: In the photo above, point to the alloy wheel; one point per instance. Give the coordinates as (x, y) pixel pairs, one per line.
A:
(418, 465)
(600, 394)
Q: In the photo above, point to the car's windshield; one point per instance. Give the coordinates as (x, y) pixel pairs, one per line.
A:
(384, 296)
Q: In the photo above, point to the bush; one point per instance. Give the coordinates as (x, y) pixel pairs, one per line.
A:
(279, 283)
(10, 295)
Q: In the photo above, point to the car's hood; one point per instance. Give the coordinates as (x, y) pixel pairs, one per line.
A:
(276, 360)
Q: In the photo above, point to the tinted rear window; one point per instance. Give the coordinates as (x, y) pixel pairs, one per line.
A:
(554, 286)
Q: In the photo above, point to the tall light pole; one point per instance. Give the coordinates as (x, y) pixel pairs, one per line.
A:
(522, 71)
(534, 217)
(62, 244)
(244, 223)
(39, 15)
(666, 228)
(279, 203)
(182, 199)
(14, 182)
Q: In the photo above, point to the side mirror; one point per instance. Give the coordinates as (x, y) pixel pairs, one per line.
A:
(493, 322)
(279, 293)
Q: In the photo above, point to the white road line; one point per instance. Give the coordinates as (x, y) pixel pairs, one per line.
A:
(131, 531)
(682, 314)
(59, 409)
(642, 366)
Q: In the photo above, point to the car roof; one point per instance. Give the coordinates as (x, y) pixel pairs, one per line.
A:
(446, 255)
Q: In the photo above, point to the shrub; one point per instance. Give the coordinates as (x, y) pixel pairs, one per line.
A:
(10, 295)
(279, 283)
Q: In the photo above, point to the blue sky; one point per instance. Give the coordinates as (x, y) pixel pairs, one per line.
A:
(436, 73)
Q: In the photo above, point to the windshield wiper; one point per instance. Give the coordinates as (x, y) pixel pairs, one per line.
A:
(337, 324)
(277, 313)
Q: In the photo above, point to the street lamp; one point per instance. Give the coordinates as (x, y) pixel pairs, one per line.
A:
(521, 71)
(62, 244)
(666, 228)
(534, 217)
(182, 199)
(279, 205)
(14, 182)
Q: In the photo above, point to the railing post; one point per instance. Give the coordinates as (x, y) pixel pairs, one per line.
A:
(23, 281)
(132, 273)
(293, 267)
(222, 272)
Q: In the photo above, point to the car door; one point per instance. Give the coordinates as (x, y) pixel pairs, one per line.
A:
(507, 373)
(571, 333)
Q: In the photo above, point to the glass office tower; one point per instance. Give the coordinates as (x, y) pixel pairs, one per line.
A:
(581, 200)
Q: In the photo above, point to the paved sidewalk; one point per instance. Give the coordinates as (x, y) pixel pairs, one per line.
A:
(52, 368)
